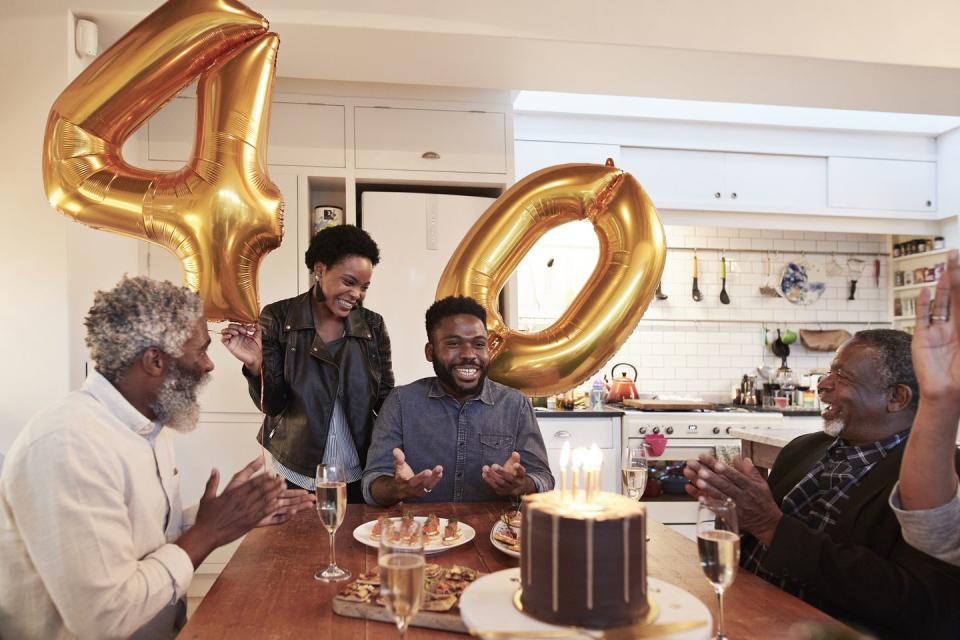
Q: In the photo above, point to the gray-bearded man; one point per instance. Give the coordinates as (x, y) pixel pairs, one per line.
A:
(94, 542)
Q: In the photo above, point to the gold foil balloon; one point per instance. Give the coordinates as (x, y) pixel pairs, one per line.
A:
(607, 309)
(220, 214)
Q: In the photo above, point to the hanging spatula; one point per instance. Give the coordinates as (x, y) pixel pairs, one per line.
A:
(855, 266)
(697, 296)
(660, 295)
(724, 296)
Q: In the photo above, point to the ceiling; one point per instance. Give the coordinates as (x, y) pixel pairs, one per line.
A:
(882, 55)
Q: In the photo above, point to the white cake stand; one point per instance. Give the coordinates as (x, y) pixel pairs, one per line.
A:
(487, 605)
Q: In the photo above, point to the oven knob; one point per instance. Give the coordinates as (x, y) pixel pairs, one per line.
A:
(642, 429)
(716, 430)
(669, 430)
(656, 429)
(728, 430)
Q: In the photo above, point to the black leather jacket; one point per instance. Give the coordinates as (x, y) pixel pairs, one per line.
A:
(301, 378)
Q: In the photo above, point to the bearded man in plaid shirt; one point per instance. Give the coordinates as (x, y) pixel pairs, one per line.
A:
(821, 526)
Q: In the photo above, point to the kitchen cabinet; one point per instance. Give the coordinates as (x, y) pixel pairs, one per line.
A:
(583, 432)
(301, 134)
(892, 185)
(681, 179)
(430, 140)
(533, 155)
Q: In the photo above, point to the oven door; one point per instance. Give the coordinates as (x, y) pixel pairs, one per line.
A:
(665, 496)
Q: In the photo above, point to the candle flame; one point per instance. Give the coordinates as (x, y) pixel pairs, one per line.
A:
(565, 455)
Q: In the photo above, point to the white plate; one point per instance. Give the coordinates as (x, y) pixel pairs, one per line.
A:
(433, 545)
(499, 525)
(487, 605)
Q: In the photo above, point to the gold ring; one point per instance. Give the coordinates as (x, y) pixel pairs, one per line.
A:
(934, 318)
(425, 490)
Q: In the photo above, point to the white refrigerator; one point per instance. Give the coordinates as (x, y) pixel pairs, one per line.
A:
(417, 233)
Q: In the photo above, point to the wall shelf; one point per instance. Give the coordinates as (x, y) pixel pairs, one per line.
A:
(919, 256)
(922, 285)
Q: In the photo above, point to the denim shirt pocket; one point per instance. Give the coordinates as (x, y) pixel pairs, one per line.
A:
(495, 448)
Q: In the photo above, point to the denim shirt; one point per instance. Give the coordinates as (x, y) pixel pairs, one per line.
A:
(432, 428)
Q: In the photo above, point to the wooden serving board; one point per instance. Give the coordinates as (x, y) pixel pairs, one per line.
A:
(668, 405)
(443, 620)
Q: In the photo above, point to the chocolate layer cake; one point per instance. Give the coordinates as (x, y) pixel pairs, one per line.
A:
(584, 565)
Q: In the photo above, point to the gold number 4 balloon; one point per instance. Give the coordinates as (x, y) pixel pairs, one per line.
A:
(220, 214)
(607, 309)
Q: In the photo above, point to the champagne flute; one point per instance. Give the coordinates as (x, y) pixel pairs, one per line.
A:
(401, 561)
(718, 542)
(633, 469)
(331, 507)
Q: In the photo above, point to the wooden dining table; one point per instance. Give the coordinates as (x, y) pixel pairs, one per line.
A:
(267, 590)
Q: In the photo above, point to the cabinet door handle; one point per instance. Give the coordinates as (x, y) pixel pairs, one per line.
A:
(733, 195)
(929, 203)
(717, 195)
(562, 434)
(430, 155)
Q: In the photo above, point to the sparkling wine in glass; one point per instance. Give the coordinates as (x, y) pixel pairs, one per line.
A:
(331, 507)
(633, 469)
(718, 543)
(401, 561)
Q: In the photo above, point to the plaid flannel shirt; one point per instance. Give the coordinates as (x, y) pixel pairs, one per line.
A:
(818, 498)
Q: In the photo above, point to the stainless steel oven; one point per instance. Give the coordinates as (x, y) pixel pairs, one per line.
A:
(689, 434)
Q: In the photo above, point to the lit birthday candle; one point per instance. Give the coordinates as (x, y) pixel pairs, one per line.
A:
(564, 461)
(578, 460)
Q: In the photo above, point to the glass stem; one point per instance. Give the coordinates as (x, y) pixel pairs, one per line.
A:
(720, 635)
(333, 550)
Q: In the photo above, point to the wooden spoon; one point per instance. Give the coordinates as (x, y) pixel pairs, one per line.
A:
(724, 296)
(697, 296)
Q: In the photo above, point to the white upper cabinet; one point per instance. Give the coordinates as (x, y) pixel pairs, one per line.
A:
(533, 155)
(430, 140)
(891, 185)
(310, 135)
(679, 179)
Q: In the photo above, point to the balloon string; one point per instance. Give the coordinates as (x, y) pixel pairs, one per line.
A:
(263, 421)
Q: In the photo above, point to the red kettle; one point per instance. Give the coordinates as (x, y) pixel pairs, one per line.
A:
(622, 387)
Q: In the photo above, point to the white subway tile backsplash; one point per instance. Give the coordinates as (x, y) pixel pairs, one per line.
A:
(683, 346)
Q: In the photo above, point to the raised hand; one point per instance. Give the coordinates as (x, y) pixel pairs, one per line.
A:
(249, 501)
(245, 342)
(508, 479)
(410, 484)
(936, 339)
(740, 481)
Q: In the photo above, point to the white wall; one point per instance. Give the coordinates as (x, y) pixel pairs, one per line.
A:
(679, 346)
(33, 257)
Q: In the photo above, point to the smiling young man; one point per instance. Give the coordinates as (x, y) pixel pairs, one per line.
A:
(471, 438)
(821, 527)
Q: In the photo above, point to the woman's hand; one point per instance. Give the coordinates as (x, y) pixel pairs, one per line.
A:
(245, 342)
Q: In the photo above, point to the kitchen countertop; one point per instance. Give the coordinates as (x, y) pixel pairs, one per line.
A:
(578, 413)
(777, 436)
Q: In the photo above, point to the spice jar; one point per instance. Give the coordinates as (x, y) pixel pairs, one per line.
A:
(898, 278)
(919, 275)
(897, 250)
(921, 245)
(897, 307)
(938, 243)
(907, 277)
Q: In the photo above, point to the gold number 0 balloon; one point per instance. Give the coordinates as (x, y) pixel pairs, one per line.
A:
(220, 214)
(604, 313)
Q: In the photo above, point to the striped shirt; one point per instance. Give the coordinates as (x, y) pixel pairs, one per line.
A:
(340, 448)
(818, 498)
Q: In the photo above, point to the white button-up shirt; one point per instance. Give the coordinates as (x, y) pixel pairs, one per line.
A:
(89, 509)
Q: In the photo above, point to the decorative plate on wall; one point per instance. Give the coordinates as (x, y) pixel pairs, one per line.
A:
(797, 286)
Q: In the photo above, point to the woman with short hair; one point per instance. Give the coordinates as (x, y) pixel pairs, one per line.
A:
(323, 361)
